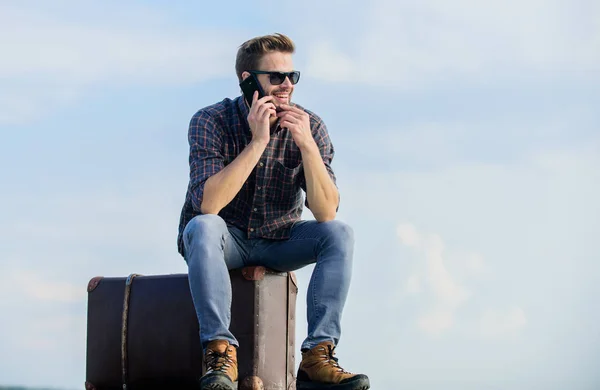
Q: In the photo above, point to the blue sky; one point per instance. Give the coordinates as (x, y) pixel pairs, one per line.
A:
(467, 155)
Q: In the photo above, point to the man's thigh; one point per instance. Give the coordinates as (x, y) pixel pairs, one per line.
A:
(236, 248)
(207, 231)
(300, 250)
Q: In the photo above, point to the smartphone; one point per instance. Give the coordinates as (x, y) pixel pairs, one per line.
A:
(249, 86)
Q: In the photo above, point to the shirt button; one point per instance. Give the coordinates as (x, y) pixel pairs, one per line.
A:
(255, 209)
(251, 229)
(259, 188)
(261, 164)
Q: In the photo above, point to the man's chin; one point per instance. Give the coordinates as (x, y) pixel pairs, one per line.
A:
(279, 103)
(278, 106)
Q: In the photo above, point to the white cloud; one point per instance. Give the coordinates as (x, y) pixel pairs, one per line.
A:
(519, 221)
(498, 323)
(48, 333)
(444, 286)
(413, 286)
(78, 227)
(417, 44)
(49, 60)
(38, 288)
(46, 319)
(447, 293)
(90, 51)
(497, 137)
(408, 235)
(436, 320)
(329, 63)
(475, 263)
(46, 341)
(49, 255)
(510, 233)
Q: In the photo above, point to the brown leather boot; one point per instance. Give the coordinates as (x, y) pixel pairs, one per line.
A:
(220, 360)
(319, 369)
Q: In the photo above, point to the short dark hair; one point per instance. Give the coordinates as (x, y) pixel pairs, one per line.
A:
(250, 52)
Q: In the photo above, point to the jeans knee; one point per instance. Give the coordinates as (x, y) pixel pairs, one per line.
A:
(204, 228)
(339, 234)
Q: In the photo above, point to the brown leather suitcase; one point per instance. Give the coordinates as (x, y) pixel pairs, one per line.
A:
(142, 331)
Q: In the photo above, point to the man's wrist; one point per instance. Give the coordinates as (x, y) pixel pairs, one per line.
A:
(261, 143)
(310, 148)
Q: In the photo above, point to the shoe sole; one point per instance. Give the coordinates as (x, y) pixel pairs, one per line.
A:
(321, 386)
(218, 385)
(359, 384)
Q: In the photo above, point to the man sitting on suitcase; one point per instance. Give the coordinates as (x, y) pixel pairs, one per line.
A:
(249, 164)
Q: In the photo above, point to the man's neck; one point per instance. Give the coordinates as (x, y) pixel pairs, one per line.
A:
(273, 122)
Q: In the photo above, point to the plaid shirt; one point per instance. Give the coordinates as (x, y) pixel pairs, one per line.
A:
(270, 201)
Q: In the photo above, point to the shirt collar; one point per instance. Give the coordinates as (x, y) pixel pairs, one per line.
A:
(243, 108)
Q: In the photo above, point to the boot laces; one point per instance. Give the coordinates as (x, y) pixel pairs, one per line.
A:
(217, 361)
(332, 360)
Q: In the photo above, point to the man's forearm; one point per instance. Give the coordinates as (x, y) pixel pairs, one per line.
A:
(222, 187)
(321, 192)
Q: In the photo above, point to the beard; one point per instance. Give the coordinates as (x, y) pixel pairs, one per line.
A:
(278, 102)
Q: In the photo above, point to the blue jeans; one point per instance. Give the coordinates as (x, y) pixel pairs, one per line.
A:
(212, 248)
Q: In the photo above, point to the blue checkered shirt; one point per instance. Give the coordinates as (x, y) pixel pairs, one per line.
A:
(270, 201)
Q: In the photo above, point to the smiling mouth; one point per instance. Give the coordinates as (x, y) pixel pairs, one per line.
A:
(282, 96)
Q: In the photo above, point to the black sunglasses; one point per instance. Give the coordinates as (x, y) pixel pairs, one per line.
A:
(276, 78)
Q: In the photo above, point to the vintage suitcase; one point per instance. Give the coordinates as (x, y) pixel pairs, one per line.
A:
(142, 331)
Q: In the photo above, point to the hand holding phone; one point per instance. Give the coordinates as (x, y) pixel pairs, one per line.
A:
(261, 109)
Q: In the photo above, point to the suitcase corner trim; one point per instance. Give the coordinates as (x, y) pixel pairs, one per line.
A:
(254, 273)
(93, 283)
(89, 386)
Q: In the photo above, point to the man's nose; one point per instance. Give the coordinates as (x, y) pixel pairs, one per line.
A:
(287, 83)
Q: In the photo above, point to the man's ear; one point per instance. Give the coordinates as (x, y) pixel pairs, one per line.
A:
(245, 75)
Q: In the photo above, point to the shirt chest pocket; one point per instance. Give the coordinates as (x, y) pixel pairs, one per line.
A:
(284, 185)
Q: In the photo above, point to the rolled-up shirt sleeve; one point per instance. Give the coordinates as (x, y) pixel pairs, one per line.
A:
(321, 137)
(205, 138)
